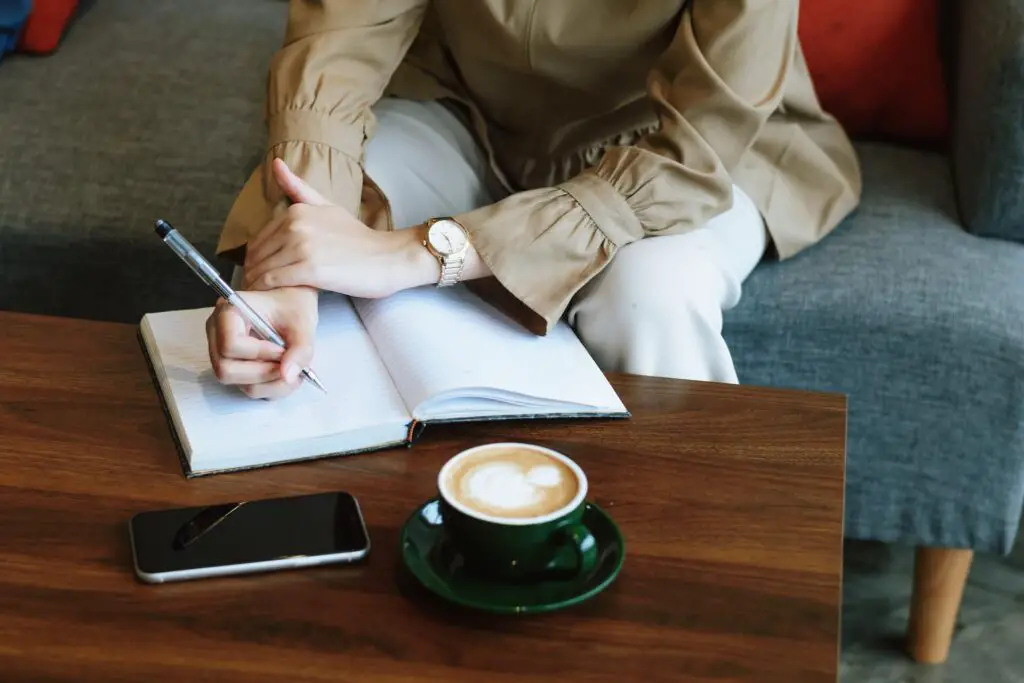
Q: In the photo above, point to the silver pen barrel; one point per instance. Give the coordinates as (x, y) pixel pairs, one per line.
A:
(259, 326)
(208, 274)
(200, 266)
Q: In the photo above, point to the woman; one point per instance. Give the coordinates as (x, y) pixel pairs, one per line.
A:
(625, 164)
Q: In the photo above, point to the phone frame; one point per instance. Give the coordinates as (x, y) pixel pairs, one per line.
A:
(293, 562)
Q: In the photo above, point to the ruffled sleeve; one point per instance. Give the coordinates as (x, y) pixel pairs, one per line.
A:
(713, 90)
(336, 60)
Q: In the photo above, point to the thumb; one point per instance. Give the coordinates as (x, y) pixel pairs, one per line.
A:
(299, 351)
(294, 187)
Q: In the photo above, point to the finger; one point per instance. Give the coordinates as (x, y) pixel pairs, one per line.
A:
(251, 348)
(268, 240)
(231, 338)
(285, 256)
(228, 325)
(294, 187)
(211, 340)
(299, 354)
(299, 274)
(247, 372)
(269, 390)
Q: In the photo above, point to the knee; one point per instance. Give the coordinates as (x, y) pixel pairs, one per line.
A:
(622, 322)
(666, 319)
(666, 332)
(652, 302)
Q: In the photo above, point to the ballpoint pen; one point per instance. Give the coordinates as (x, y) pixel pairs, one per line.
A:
(208, 274)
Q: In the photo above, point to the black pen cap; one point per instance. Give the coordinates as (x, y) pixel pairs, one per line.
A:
(163, 228)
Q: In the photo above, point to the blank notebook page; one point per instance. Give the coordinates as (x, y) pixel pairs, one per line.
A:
(445, 340)
(213, 418)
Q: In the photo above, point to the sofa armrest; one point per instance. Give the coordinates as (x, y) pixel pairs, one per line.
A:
(988, 112)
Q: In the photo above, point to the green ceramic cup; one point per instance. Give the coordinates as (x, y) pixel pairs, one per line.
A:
(551, 546)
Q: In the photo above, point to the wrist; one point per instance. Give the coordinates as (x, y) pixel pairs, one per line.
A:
(416, 264)
(298, 300)
(307, 296)
(310, 293)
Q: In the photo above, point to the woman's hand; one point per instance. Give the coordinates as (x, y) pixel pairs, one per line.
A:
(262, 369)
(320, 245)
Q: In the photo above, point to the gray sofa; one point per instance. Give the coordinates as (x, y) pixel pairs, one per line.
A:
(914, 307)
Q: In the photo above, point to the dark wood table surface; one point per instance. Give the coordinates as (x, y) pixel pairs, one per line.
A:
(730, 500)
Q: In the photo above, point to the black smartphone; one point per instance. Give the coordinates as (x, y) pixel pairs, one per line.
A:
(248, 536)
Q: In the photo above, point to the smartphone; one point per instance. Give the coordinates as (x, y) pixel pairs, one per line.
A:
(248, 536)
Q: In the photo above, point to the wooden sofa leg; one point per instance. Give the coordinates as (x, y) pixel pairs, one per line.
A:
(940, 575)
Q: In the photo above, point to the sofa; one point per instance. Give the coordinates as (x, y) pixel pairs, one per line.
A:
(914, 307)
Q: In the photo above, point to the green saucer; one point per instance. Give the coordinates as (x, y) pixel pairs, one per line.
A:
(440, 571)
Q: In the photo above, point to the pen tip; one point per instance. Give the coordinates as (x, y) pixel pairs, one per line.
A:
(313, 379)
(163, 228)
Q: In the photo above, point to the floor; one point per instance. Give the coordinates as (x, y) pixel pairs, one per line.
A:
(989, 643)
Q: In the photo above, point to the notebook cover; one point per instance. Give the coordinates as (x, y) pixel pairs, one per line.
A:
(186, 467)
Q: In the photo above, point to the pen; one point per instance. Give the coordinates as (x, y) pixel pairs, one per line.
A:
(181, 246)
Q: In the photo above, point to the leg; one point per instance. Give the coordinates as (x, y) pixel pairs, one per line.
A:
(939, 578)
(657, 308)
(425, 162)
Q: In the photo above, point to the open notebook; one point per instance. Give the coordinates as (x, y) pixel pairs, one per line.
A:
(421, 356)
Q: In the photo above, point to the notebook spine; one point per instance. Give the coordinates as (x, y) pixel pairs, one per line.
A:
(415, 431)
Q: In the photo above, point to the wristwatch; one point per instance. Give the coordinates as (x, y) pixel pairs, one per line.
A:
(448, 242)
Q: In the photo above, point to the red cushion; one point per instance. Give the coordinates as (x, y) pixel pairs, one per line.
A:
(876, 67)
(46, 24)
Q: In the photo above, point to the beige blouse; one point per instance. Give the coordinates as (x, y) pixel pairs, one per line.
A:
(606, 120)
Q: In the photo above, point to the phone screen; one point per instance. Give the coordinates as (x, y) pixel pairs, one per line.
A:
(249, 532)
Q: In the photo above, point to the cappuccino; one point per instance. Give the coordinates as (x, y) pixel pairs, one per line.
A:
(511, 482)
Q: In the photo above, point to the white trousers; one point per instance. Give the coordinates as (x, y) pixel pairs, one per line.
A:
(656, 309)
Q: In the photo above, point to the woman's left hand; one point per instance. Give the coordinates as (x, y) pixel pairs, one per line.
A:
(318, 244)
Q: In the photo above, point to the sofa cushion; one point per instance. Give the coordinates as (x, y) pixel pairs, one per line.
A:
(922, 325)
(877, 67)
(46, 25)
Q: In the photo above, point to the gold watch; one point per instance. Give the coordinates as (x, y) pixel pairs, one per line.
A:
(448, 242)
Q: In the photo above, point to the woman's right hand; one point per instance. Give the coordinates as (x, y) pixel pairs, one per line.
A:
(260, 368)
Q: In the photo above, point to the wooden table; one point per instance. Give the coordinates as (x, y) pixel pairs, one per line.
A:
(730, 499)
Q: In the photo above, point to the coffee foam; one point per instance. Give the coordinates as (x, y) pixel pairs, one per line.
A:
(506, 486)
(512, 483)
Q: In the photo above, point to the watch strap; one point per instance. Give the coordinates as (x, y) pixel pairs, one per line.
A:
(451, 270)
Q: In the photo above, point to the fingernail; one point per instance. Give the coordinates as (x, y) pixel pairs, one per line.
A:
(291, 373)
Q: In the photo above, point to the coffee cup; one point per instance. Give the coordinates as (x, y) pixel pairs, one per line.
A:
(515, 511)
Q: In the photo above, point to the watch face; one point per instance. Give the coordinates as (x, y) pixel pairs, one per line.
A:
(447, 237)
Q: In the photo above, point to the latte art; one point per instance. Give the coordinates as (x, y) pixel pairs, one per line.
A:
(512, 483)
(507, 486)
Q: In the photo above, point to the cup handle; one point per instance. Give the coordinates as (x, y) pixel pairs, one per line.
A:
(585, 545)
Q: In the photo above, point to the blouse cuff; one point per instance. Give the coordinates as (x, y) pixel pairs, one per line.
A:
(543, 245)
(333, 173)
(306, 125)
